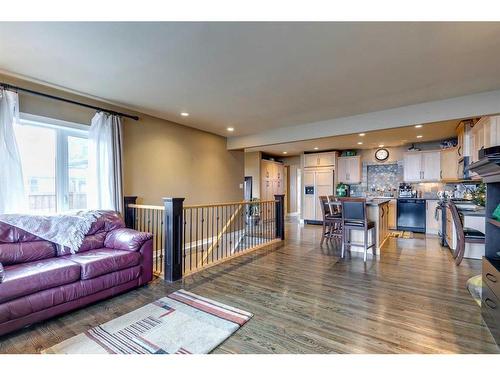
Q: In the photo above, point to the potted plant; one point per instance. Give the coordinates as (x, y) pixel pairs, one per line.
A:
(253, 213)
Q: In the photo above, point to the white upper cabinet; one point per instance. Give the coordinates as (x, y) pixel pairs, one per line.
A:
(349, 169)
(422, 166)
(412, 166)
(431, 168)
(321, 159)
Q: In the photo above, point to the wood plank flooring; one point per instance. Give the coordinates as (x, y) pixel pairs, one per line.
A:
(409, 299)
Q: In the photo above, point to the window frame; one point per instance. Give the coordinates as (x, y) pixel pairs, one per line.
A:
(63, 130)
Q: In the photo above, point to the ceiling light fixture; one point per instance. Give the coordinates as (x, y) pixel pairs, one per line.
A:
(380, 145)
(316, 148)
(184, 114)
(230, 129)
(418, 126)
(360, 143)
(419, 136)
(362, 134)
(284, 152)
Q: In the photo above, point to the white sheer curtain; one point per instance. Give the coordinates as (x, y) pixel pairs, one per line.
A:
(105, 163)
(12, 198)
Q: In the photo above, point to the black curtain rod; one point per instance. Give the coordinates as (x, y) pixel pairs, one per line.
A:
(31, 92)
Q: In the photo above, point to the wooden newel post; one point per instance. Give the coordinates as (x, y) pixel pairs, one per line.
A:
(280, 216)
(129, 212)
(173, 223)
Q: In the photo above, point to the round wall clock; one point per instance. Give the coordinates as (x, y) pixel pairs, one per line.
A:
(382, 154)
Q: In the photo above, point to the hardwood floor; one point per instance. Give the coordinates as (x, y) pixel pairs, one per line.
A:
(410, 299)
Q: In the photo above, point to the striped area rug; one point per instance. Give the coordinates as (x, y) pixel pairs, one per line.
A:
(182, 323)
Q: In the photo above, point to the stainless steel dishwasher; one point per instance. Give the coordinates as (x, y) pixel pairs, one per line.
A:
(411, 215)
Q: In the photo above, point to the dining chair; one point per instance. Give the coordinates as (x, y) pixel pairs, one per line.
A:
(354, 217)
(464, 235)
(331, 220)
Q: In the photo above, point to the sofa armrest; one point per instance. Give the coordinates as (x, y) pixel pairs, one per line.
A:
(126, 239)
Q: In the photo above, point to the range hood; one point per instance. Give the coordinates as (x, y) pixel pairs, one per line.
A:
(488, 166)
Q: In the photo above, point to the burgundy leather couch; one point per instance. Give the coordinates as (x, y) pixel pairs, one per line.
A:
(40, 282)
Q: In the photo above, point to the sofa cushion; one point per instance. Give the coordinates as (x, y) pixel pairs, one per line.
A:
(45, 299)
(26, 278)
(108, 221)
(126, 239)
(25, 252)
(92, 241)
(101, 261)
(9, 233)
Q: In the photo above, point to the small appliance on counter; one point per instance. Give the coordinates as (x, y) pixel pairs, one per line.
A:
(406, 191)
(343, 190)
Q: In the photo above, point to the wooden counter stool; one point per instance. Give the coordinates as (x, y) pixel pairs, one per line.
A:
(464, 235)
(331, 221)
(354, 217)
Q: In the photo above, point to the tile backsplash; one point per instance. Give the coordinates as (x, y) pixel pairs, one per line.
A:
(379, 179)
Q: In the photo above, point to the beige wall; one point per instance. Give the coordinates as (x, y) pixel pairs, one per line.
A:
(161, 158)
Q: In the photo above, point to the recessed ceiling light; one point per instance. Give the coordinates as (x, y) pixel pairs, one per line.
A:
(184, 114)
(418, 126)
(284, 152)
(380, 145)
(419, 136)
(362, 134)
(230, 129)
(360, 143)
(316, 148)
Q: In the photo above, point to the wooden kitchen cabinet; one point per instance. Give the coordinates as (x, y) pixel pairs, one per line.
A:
(349, 169)
(393, 214)
(432, 225)
(420, 166)
(412, 166)
(272, 182)
(320, 159)
(484, 134)
(449, 164)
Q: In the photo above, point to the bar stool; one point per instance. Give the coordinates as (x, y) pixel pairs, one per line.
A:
(464, 235)
(331, 220)
(354, 217)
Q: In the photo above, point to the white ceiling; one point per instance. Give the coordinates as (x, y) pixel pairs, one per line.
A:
(389, 138)
(257, 76)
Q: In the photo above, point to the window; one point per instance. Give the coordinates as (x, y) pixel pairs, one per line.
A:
(54, 155)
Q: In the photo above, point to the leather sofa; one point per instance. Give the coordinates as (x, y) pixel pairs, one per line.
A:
(41, 281)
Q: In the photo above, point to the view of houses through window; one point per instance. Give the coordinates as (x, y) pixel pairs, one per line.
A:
(55, 166)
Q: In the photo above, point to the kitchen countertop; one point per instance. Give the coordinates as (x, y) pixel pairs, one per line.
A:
(377, 201)
(481, 212)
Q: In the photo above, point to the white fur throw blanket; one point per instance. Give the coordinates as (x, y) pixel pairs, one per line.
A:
(65, 230)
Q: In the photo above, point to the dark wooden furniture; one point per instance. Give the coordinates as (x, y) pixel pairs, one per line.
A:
(332, 220)
(354, 217)
(464, 235)
(490, 298)
(488, 167)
